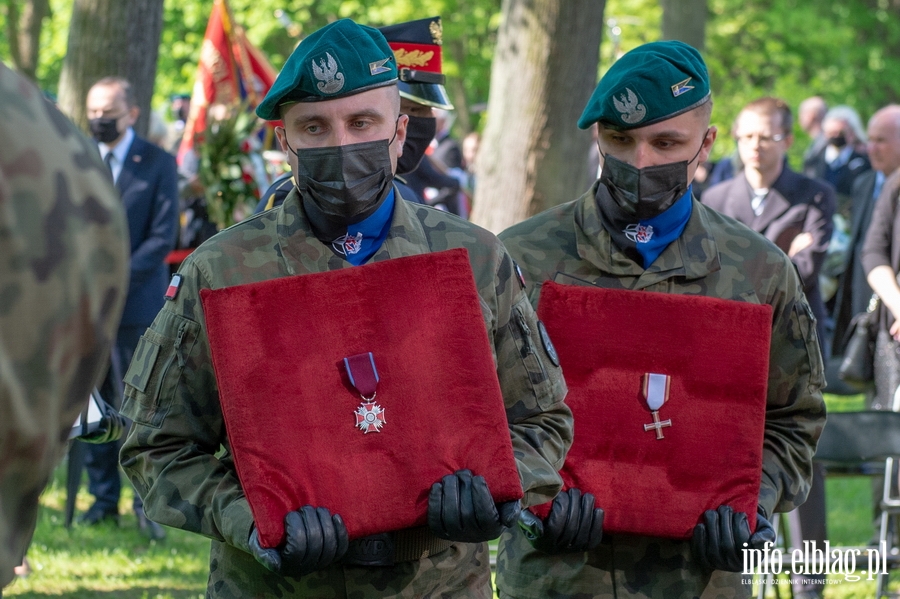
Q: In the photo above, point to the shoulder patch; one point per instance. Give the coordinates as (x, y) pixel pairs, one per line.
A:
(519, 274)
(548, 345)
(174, 286)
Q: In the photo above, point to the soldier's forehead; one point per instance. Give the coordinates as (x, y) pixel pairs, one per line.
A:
(683, 126)
(372, 103)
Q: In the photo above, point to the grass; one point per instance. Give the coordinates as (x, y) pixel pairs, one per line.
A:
(108, 561)
(117, 561)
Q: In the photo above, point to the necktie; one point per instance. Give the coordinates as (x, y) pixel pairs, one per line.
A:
(758, 202)
(108, 160)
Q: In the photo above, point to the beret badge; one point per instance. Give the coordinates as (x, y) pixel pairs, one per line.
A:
(631, 110)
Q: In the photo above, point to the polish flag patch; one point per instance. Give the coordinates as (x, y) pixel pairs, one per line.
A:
(174, 286)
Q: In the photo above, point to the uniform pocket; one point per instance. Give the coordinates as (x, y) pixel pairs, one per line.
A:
(536, 354)
(807, 322)
(155, 371)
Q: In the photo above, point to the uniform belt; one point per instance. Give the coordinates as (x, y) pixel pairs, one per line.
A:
(386, 549)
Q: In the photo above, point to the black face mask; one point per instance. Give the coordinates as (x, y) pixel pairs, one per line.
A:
(645, 192)
(344, 184)
(104, 129)
(838, 141)
(419, 133)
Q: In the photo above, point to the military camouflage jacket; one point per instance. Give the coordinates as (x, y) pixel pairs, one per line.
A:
(718, 257)
(177, 454)
(63, 281)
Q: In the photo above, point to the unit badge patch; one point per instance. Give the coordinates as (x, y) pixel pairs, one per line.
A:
(348, 244)
(639, 233)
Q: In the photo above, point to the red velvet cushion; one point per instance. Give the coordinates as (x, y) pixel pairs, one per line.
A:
(278, 350)
(717, 354)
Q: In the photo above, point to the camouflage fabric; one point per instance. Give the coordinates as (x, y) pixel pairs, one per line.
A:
(63, 278)
(718, 257)
(177, 454)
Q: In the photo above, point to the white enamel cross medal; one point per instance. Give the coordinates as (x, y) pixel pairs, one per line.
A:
(656, 392)
(364, 378)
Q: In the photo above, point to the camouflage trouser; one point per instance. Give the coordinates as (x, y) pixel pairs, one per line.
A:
(462, 571)
(622, 567)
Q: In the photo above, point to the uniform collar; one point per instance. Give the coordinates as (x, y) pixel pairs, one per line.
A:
(303, 253)
(693, 255)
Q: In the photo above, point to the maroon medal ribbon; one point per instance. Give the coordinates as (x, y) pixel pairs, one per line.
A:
(364, 377)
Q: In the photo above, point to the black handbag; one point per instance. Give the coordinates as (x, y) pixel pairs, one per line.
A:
(857, 366)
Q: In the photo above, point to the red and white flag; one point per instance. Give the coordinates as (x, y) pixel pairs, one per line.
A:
(231, 70)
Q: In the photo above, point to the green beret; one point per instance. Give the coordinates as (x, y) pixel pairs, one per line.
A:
(340, 59)
(651, 83)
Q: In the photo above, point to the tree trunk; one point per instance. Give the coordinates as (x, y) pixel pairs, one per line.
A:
(533, 156)
(685, 20)
(111, 37)
(12, 32)
(145, 22)
(457, 90)
(23, 30)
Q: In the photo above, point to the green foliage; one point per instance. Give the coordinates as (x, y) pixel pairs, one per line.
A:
(230, 194)
(847, 52)
(469, 33)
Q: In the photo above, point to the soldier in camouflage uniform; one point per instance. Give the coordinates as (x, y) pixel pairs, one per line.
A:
(63, 278)
(653, 109)
(336, 94)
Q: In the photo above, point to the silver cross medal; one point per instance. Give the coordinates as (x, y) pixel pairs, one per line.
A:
(656, 392)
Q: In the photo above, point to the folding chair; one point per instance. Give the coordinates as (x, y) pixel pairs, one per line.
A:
(867, 443)
(864, 443)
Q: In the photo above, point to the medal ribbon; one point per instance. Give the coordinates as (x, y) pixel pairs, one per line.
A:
(656, 390)
(363, 374)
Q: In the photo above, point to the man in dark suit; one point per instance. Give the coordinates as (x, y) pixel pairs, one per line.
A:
(795, 213)
(791, 210)
(883, 147)
(146, 177)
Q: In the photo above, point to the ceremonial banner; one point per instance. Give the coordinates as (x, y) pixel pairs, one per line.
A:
(357, 389)
(669, 397)
(231, 70)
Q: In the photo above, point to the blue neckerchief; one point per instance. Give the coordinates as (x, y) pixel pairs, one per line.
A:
(663, 229)
(367, 235)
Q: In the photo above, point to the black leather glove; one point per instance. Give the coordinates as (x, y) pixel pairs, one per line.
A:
(573, 524)
(719, 539)
(269, 558)
(111, 427)
(460, 508)
(314, 539)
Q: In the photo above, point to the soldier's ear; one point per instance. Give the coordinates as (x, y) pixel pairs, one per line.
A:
(402, 122)
(281, 135)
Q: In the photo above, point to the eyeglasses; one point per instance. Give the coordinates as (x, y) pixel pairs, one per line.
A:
(764, 140)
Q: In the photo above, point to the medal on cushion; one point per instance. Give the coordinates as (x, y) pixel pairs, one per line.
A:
(656, 392)
(364, 378)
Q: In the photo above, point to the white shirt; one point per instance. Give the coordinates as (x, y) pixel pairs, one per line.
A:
(119, 153)
(758, 201)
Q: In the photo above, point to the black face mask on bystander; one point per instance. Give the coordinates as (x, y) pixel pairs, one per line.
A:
(104, 129)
